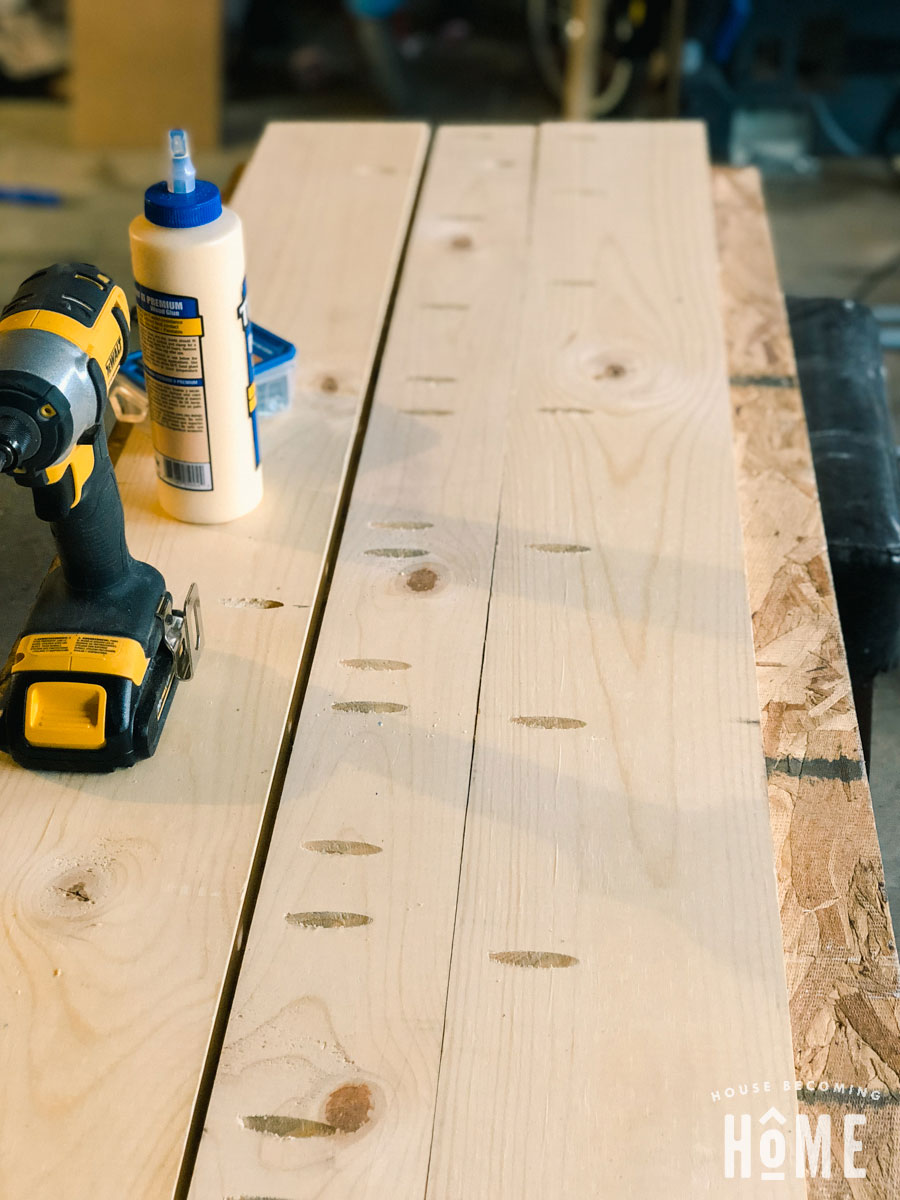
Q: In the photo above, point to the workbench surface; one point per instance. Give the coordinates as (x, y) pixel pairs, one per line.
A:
(454, 869)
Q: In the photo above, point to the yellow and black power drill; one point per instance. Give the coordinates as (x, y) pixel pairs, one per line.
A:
(89, 682)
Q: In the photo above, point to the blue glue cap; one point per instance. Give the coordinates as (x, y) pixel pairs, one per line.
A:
(184, 201)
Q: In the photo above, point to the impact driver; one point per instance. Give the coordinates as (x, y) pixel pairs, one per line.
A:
(90, 680)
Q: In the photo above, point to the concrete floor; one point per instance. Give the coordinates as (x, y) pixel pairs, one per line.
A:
(833, 234)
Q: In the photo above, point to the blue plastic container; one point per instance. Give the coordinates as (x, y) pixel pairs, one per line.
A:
(273, 372)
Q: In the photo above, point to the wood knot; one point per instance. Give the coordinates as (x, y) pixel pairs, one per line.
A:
(604, 364)
(422, 580)
(462, 241)
(77, 891)
(328, 383)
(349, 1107)
(612, 370)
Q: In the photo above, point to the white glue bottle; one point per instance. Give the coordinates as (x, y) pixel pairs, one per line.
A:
(187, 253)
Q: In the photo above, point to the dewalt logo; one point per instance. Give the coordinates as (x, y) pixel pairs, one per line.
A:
(113, 361)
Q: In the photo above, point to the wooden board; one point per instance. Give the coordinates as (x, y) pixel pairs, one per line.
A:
(140, 69)
(121, 894)
(328, 1076)
(839, 948)
(617, 956)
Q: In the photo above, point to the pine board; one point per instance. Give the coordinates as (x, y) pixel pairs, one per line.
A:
(328, 1075)
(839, 950)
(617, 955)
(121, 894)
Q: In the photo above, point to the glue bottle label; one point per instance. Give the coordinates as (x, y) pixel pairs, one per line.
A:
(244, 317)
(172, 345)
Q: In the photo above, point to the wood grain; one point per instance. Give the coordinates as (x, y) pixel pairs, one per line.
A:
(328, 1076)
(839, 948)
(617, 956)
(120, 894)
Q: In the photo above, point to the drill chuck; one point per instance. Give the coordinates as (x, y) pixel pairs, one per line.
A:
(18, 439)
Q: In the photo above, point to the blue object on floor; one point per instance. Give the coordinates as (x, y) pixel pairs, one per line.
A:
(34, 197)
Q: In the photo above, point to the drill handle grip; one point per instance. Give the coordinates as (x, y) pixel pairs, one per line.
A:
(90, 536)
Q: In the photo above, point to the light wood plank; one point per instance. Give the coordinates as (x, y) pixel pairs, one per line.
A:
(139, 69)
(121, 893)
(839, 950)
(327, 1082)
(617, 957)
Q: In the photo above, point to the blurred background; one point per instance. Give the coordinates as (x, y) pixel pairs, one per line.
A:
(808, 90)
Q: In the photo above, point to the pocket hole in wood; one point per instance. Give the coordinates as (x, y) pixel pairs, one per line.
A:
(340, 846)
(375, 664)
(328, 920)
(401, 525)
(287, 1127)
(249, 602)
(533, 958)
(368, 706)
(549, 722)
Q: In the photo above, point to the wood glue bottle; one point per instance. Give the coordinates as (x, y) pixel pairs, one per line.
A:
(187, 253)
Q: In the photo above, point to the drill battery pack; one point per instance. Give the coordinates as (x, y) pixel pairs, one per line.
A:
(72, 699)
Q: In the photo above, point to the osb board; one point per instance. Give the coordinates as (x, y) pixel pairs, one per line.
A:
(839, 950)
